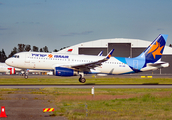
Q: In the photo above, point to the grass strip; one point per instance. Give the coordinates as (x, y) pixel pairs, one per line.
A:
(108, 104)
(74, 81)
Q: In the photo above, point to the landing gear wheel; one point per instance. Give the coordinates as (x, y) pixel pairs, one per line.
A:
(79, 79)
(26, 76)
(82, 80)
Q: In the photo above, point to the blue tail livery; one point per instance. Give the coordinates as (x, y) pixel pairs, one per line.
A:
(154, 52)
(150, 58)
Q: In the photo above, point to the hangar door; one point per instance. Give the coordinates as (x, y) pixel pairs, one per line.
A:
(137, 51)
(92, 51)
(167, 58)
(121, 49)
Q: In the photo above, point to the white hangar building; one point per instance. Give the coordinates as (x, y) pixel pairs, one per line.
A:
(123, 48)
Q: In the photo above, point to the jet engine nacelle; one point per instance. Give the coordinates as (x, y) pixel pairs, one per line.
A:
(61, 71)
(12, 71)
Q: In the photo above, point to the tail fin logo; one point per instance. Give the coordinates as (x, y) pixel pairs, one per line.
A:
(156, 49)
(109, 54)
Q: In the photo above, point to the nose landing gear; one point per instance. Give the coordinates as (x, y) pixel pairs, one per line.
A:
(26, 74)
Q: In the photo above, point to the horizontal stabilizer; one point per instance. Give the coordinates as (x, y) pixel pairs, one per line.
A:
(159, 65)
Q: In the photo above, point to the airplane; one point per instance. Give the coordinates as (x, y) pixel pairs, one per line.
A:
(8, 69)
(63, 64)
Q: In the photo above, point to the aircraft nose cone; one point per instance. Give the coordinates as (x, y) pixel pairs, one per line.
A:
(8, 62)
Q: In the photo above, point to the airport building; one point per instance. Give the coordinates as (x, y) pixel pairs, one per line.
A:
(123, 48)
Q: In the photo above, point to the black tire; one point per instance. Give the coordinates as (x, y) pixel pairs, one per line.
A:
(26, 76)
(82, 80)
(79, 79)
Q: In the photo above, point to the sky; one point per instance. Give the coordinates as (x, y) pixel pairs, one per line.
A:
(60, 23)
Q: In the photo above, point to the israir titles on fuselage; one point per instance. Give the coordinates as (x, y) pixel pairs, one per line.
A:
(49, 55)
(71, 65)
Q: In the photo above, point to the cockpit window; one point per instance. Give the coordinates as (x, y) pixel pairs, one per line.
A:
(16, 56)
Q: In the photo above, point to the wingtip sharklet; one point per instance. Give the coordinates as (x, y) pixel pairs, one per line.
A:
(109, 54)
(100, 54)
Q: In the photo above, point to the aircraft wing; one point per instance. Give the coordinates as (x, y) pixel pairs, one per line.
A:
(92, 65)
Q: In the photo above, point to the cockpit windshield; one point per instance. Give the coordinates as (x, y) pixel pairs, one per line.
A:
(15, 56)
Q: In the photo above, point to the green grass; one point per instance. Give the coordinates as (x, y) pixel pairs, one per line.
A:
(74, 80)
(107, 104)
(145, 104)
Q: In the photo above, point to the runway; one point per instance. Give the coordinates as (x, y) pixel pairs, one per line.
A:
(83, 86)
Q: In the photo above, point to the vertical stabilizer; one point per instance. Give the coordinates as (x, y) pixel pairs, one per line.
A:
(154, 51)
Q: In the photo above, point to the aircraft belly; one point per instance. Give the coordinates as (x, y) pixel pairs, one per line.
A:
(115, 69)
(122, 70)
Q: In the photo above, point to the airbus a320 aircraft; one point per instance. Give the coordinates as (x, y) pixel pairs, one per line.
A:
(71, 65)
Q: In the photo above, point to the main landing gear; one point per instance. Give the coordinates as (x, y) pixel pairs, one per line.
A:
(81, 79)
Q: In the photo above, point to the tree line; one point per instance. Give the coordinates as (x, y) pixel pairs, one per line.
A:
(24, 48)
